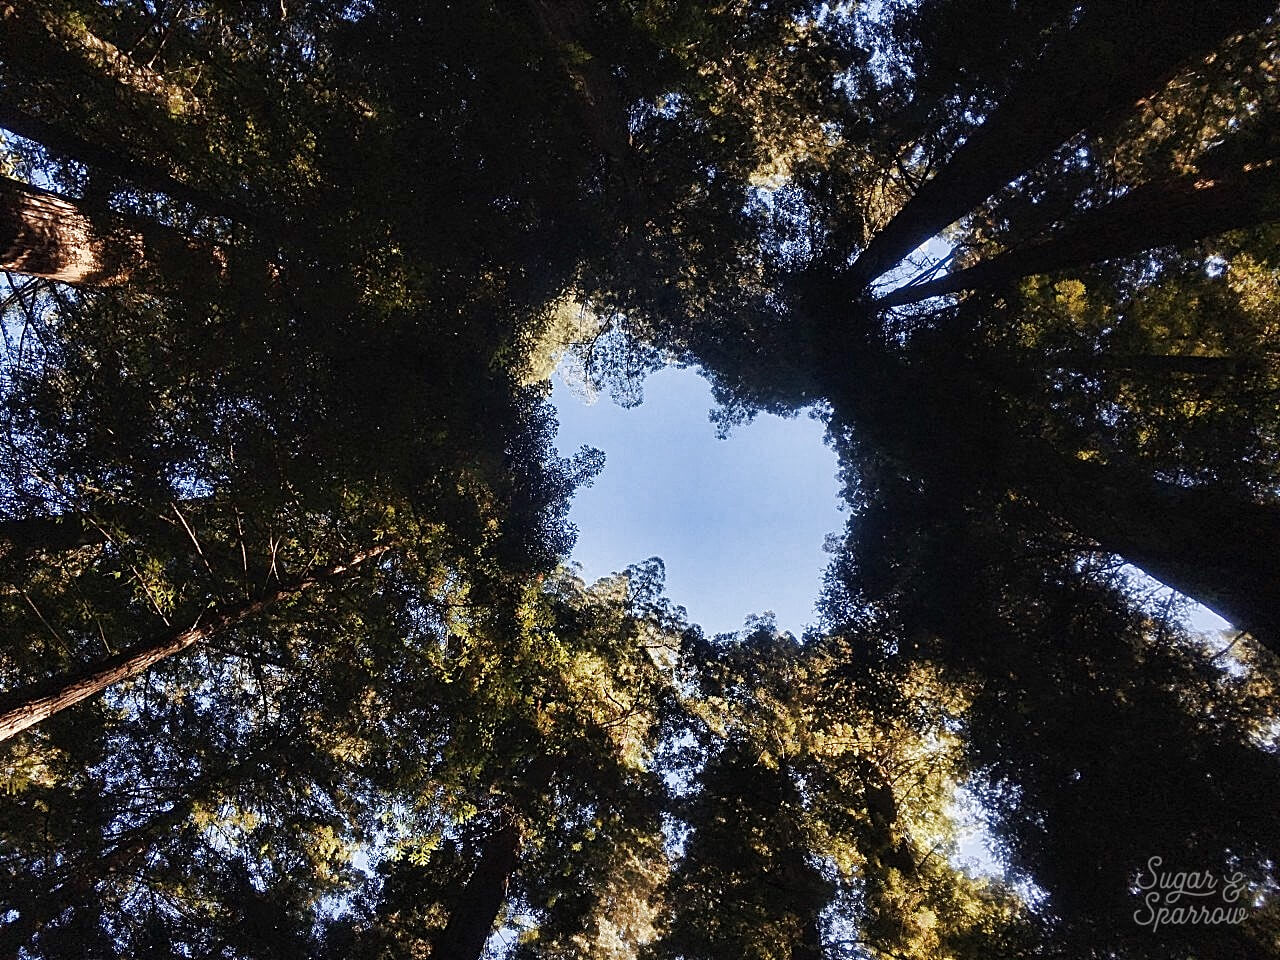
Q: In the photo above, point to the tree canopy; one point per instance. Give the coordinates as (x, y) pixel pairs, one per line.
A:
(293, 662)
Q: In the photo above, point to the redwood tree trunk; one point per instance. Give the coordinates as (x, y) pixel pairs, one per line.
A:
(809, 946)
(1104, 64)
(567, 25)
(21, 537)
(1219, 549)
(28, 706)
(473, 918)
(47, 42)
(45, 235)
(1152, 365)
(1153, 215)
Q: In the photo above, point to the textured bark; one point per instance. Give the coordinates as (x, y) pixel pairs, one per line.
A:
(28, 706)
(115, 160)
(45, 235)
(473, 919)
(1115, 55)
(1175, 212)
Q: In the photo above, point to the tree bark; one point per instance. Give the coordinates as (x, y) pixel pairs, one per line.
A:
(1176, 212)
(1116, 55)
(21, 537)
(475, 911)
(46, 235)
(809, 945)
(473, 918)
(30, 705)
(1220, 550)
(567, 25)
(1152, 365)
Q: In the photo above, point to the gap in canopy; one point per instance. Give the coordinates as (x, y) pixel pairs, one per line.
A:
(739, 523)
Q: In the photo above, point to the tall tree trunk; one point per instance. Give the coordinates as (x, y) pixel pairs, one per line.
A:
(1160, 365)
(1175, 212)
(30, 705)
(567, 25)
(473, 918)
(116, 161)
(1021, 373)
(1115, 55)
(45, 235)
(1218, 549)
(475, 911)
(809, 945)
(21, 537)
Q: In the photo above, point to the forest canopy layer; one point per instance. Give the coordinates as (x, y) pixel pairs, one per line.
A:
(293, 663)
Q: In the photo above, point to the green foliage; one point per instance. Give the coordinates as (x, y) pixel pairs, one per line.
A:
(418, 211)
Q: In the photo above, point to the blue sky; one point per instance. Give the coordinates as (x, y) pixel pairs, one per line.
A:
(739, 523)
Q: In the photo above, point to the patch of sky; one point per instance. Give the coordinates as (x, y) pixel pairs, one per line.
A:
(922, 264)
(976, 851)
(739, 523)
(1162, 601)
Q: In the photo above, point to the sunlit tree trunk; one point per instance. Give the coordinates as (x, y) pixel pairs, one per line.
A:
(1114, 56)
(1175, 212)
(45, 235)
(28, 706)
(473, 918)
